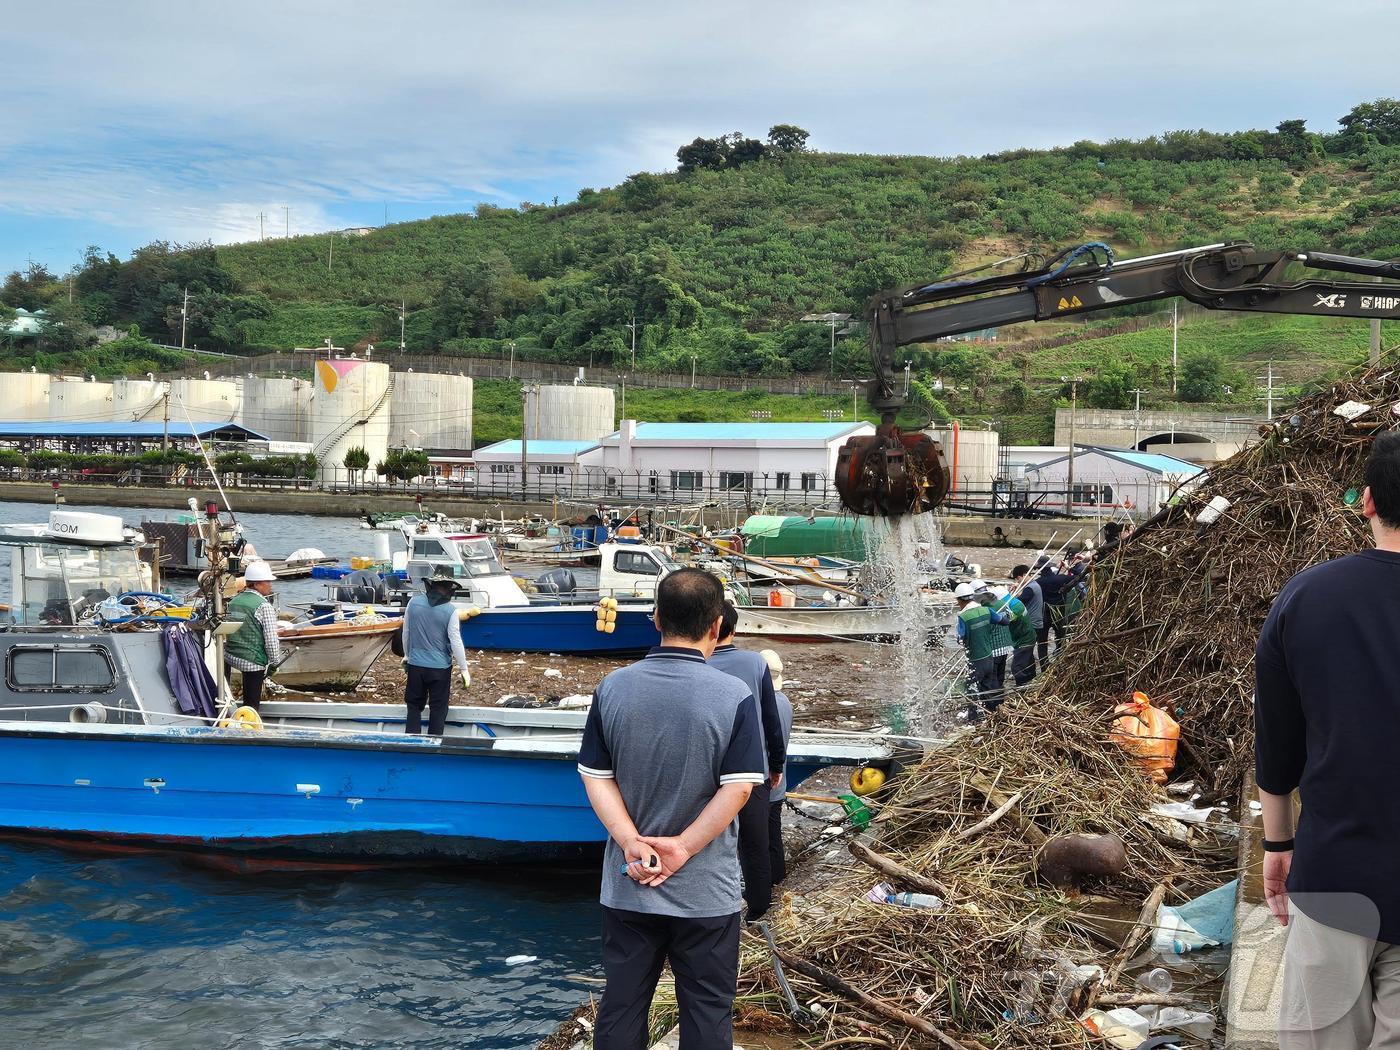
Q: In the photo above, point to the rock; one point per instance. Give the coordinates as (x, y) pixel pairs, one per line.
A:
(552, 672)
(1072, 860)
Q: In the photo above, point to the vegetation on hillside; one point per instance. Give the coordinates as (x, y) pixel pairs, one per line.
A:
(715, 265)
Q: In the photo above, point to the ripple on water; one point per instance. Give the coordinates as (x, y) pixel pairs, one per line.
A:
(140, 952)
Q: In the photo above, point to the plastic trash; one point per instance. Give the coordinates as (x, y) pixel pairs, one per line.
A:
(519, 960)
(1194, 1023)
(1157, 980)
(1210, 514)
(1208, 920)
(1148, 733)
(884, 893)
(1122, 1027)
(1350, 410)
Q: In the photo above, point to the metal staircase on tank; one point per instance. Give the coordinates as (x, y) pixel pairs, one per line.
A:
(327, 443)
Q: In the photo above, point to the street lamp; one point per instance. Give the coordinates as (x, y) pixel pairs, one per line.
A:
(632, 324)
(906, 377)
(511, 374)
(832, 321)
(854, 384)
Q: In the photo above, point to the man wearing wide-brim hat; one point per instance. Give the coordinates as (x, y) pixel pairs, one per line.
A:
(432, 644)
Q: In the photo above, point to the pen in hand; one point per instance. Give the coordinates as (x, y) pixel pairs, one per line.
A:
(652, 862)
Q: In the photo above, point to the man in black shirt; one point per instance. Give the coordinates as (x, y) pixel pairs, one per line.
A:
(1052, 590)
(1327, 724)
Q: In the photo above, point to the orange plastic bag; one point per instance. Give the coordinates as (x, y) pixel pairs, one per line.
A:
(1148, 733)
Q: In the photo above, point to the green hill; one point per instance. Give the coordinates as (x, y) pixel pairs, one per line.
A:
(719, 261)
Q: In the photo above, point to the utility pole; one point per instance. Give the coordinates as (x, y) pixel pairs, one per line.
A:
(165, 426)
(286, 221)
(1137, 416)
(906, 377)
(832, 326)
(623, 414)
(692, 371)
(1268, 398)
(1173, 348)
(525, 390)
(1376, 337)
(633, 325)
(1073, 411)
(184, 313)
(330, 252)
(403, 310)
(511, 374)
(261, 216)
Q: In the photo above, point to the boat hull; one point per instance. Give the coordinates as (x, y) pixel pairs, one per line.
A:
(813, 624)
(565, 629)
(332, 658)
(349, 793)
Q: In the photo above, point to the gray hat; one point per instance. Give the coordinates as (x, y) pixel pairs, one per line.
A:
(441, 576)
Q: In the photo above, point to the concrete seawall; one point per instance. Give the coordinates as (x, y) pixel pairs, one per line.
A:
(957, 532)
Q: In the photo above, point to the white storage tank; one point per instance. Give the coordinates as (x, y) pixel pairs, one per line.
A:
(137, 399)
(24, 395)
(204, 400)
(430, 410)
(569, 413)
(277, 407)
(349, 408)
(972, 457)
(79, 400)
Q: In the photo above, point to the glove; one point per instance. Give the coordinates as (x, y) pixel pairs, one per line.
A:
(466, 679)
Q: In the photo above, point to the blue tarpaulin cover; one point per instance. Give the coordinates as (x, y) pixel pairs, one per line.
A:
(190, 679)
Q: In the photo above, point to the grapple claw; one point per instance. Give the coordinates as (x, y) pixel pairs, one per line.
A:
(890, 474)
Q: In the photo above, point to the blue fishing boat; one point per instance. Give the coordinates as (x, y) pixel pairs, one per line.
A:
(120, 739)
(496, 612)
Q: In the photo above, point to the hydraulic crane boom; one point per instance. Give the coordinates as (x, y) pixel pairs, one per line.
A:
(893, 474)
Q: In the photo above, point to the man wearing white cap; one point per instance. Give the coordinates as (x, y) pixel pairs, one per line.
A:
(254, 647)
(776, 855)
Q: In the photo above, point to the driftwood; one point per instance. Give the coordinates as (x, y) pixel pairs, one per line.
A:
(986, 822)
(1142, 929)
(878, 1006)
(894, 870)
(1028, 827)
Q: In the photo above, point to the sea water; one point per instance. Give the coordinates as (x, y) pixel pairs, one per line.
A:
(905, 556)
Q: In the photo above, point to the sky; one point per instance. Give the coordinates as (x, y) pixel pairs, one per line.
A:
(124, 123)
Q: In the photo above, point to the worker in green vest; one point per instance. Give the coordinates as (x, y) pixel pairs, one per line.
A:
(1023, 635)
(254, 647)
(974, 628)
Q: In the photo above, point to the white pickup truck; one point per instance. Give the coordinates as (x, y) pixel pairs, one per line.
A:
(632, 570)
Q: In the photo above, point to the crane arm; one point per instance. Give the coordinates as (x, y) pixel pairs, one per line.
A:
(1227, 276)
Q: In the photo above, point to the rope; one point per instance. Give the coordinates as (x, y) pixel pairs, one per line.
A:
(1068, 259)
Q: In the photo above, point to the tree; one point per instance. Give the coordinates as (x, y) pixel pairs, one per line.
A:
(743, 150)
(64, 328)
(1111, 387)
(356, 461)
(787, 138)
(1379, 120)
(703, 153)
(1200, 378)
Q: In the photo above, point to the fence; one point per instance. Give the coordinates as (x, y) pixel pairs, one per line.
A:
(302, 361)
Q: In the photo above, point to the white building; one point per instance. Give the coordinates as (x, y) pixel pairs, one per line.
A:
(555, 467)
(1110, 480)
(772, 459)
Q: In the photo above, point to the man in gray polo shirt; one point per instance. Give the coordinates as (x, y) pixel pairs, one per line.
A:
(754, 847)
(670, 753)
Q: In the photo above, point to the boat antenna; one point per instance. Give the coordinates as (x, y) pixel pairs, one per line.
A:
(208, 462)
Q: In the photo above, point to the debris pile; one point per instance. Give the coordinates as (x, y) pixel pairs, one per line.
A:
(1010, 959)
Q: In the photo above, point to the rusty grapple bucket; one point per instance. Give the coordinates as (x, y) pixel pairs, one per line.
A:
(889, 473)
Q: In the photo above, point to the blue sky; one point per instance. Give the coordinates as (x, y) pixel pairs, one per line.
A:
(128, 122)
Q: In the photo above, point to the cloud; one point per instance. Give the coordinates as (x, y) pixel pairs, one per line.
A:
(167, 119)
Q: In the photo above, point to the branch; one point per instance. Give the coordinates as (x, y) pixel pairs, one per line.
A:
(894, 870)
(870, 1002)
(982, 825)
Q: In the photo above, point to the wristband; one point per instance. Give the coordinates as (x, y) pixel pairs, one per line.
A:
(1286, 846)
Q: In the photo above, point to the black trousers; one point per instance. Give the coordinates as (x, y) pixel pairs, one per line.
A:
(1054, 621)
(753, 852)
(431, 686)
(777, 856)
(252, 686)
(1023, 664)
(704, 956)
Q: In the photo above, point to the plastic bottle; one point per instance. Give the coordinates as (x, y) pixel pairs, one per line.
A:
(1156, 980)
(1190, 1022)
(916, 900)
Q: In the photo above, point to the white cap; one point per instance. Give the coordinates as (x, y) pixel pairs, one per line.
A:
(964, 590)
(775, 667)
(258, 572)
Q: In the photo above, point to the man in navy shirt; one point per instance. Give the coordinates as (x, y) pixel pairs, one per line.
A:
(1327, 724)
(754, 819)
(670, 752)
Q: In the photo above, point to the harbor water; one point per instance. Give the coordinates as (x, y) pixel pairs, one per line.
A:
(149, 951)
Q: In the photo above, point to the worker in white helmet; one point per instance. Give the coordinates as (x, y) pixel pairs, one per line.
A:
(974, 628)
(254, 647)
